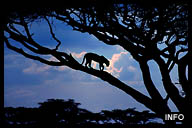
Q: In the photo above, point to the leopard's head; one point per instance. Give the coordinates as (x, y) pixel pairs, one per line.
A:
(106, 61)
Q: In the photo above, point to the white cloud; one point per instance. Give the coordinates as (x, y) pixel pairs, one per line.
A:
(62, 68)
(35, 68)
(78, 55)
(112, 69)
(15, 61)
(23, 92)
(131, 68)
(119, 48)
(19, 92)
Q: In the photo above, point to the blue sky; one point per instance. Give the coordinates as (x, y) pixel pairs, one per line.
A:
(28, 82)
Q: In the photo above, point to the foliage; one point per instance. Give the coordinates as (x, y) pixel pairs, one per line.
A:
(61, 113)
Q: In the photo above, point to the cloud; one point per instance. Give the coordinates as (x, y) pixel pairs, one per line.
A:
(119, 48)
(34, 68)
(115, 58)
(13, 61)
(131, 68)
(19, 92)
(78, 55)
(23, 92)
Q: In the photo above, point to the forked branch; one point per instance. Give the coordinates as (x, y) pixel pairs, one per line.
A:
(53, 34)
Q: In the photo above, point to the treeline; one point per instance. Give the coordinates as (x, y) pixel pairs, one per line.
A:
(57, 113)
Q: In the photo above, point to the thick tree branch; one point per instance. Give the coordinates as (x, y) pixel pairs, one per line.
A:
(24, 24)
(175, 59)
(153, 92)
(168, 85)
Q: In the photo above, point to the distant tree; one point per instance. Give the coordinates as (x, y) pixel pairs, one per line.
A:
(21, 116)
(128, 116)
(55, 111)
(60, 113)
(157, 32)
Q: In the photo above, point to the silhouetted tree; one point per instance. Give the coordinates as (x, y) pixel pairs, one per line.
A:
(20, 117)
(128, 116)
(60, 113)
(157, 32)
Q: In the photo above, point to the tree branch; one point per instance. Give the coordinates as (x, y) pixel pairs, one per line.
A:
(168, 85)
(25, 41)
(53, 35)
(153, 92)
(19, 50)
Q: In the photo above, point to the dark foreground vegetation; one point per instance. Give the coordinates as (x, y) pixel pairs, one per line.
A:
(57, 113)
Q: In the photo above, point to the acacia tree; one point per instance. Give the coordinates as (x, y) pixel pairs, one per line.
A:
(148, 32)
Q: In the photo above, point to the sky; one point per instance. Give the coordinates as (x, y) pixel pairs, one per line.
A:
(28, 82)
